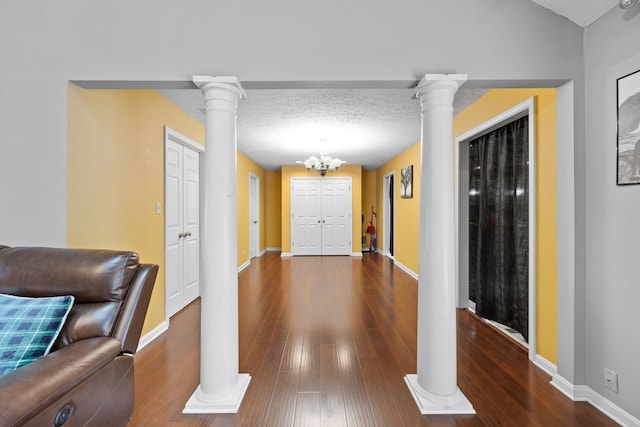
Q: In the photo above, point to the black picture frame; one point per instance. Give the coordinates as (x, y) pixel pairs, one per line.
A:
(406, 182)
(628, 129)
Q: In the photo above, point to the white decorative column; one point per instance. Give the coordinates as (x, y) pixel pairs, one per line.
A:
(221, 387)
(435, 388)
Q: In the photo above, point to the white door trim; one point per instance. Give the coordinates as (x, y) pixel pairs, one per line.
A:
(178, 138)
(525, 108)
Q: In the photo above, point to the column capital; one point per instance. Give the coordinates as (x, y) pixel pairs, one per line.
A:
(432, 81)
(228, 83)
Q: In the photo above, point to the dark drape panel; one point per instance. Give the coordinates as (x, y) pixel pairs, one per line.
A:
(474, 215)
(391, 225)
(499, 225)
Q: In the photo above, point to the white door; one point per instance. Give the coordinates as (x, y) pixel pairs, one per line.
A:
(305, 222)
(254, 215)
(336, 217)
(191, 226)
(182, 225)
(321, 216)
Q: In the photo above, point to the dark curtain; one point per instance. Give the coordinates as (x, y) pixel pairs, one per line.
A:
(499, 225)
(391, 215)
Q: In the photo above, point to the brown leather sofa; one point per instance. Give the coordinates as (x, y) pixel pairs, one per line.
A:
(87, 378)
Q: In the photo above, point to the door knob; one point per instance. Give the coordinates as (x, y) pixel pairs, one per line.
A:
(181, 235)
(187, 234)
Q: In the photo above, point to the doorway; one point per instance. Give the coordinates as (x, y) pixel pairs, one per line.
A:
(496, 210)
(182, 221)
(254, 216)
(321, 216)
(388, 214)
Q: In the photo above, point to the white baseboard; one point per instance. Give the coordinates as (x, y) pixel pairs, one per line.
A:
(545, 365)
(612, 410)
(243, 266)
(273, 250)
(290, 255)
(262, 252)
(405, 269)
(566, 388)
(147, 338)
(583, 393)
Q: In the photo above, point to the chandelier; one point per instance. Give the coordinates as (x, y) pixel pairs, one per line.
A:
(322, 165)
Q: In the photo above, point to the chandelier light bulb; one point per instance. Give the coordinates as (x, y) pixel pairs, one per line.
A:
(323, 165)
(625, 4)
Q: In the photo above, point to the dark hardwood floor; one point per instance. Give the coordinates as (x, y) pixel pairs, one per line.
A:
(327, 342)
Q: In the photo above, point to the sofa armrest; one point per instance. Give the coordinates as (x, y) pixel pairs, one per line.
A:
(31, 388)
(134, 311)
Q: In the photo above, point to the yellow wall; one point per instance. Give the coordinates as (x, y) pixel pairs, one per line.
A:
(115, 174)
(246, 166)
(369, 199)
(354, 171)
(406, 211)
(273, 219)
(490, 105)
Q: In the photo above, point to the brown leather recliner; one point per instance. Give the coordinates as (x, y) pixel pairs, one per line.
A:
(87, 378)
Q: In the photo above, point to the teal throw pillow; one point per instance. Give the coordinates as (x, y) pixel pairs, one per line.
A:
(29, 327)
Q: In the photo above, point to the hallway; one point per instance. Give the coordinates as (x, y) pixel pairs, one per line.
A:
(327, 342)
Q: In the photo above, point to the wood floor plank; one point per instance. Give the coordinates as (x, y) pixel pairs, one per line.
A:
(332, 402)
(308, 413)
(284, 400)
(327, 342)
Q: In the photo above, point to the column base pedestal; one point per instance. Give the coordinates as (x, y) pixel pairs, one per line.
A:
(431, 404)
(203, 403)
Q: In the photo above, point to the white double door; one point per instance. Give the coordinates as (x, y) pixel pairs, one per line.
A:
(182, 226)
(321, 216)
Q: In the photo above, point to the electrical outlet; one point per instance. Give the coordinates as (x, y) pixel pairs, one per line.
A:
(610, 380)
(158, 208)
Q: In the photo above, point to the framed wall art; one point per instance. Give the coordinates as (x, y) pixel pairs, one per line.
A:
(628, 153)
(406, 182)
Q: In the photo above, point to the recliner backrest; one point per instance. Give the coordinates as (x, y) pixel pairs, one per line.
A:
(98, 279)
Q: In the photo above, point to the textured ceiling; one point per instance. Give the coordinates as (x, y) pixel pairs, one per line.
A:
(361, 126)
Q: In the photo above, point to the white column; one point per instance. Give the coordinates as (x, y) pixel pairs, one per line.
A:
(221, 387)
(435, 388)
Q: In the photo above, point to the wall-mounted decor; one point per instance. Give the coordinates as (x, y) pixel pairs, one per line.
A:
(629, 129)
(406, 182)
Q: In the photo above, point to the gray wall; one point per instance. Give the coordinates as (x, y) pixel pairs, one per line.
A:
(613, 212)
(44, 44)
